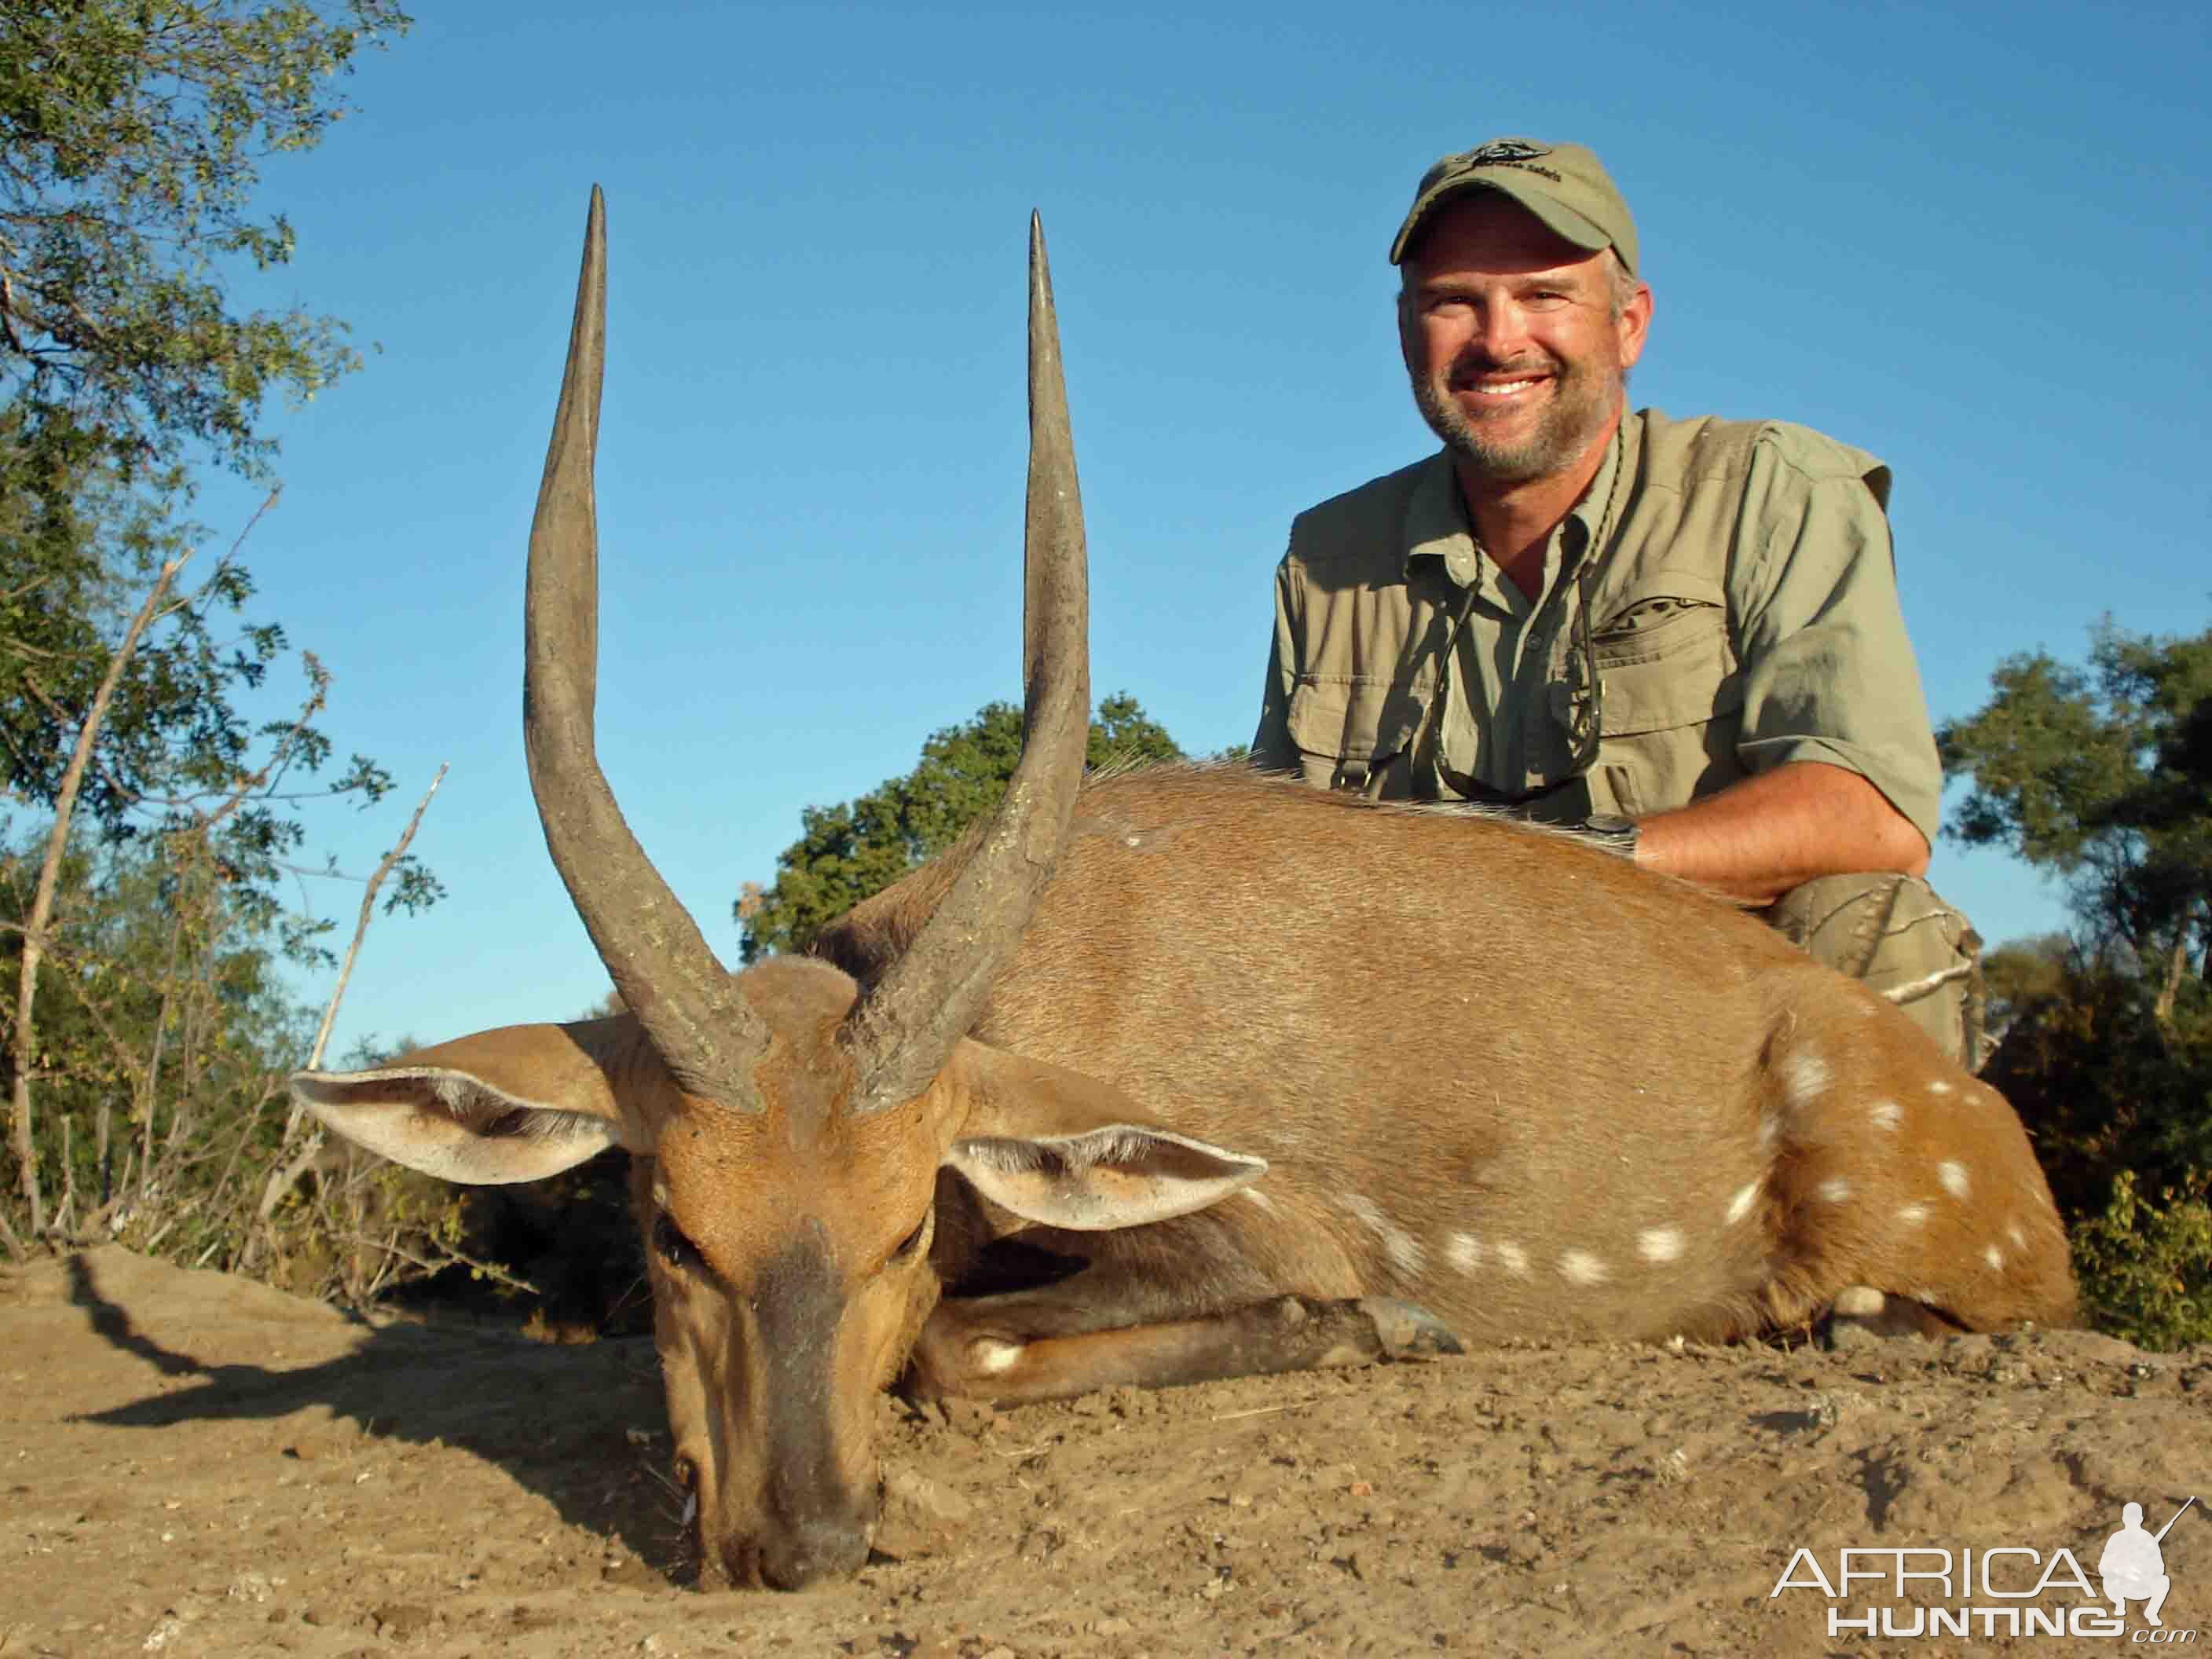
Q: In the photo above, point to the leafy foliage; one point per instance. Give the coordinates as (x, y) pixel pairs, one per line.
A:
(2102, 775)
(858, 847)
(135, 131)
(146, 1072)
(2147, 1262)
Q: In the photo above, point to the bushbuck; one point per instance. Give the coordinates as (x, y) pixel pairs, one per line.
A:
(1180, 1073)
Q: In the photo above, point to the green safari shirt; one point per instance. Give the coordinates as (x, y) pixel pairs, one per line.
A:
(1743, 614)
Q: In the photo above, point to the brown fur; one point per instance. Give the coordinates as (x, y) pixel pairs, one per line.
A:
(1438, 1025)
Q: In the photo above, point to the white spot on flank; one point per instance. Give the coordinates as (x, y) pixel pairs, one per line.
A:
(1514, 1259)
(1835, 1189)
(1581, 1267)
(1463, 1251)
(1913, 1214)
(1740, 1206)
(1953, 1175)
(991, 1355)
(1659, 1243)
(1259, 1198)
(1404, 1250)
(1860, 1301)
(1804, 1080)
(1886, 1114)
(1939, 1087)
(1994, 1257)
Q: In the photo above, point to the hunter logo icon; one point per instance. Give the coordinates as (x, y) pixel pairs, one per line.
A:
(2132, 1569)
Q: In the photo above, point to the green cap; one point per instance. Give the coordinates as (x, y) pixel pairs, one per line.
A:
(1566, 185)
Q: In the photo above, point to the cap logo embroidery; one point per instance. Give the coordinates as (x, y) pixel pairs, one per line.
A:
(1515, 153)
(1502, 149)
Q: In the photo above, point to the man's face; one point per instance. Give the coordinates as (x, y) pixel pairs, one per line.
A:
(1516, 349)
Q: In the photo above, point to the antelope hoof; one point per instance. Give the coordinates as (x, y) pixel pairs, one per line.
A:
(1408, 1331)
(1862, 1317)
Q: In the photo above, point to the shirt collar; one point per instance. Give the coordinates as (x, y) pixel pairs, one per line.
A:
(1436, 527)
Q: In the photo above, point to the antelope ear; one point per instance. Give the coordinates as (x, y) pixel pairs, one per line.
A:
(511, 1105)
(1123, 1175)
(1060, 1147)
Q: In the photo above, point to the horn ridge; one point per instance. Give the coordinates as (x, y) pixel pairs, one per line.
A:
(904, 1027)
(659, 961)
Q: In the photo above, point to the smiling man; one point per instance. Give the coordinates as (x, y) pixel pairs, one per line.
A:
(1683, 635)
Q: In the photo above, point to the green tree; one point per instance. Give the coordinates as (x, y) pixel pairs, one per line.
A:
(134, 130)
(858, 847)
(2022, 974)
(2101, 776)
(132, 133)
(132, 136)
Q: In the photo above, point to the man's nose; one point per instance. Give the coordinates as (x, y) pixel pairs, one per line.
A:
(1502, 328)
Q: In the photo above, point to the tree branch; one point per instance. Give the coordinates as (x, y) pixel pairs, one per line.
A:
(42, 905)
(281, 1179)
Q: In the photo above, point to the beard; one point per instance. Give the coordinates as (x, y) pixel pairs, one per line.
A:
(1583, 397)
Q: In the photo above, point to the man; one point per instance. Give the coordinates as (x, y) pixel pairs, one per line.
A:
(2132, 1569)
(1683, 635)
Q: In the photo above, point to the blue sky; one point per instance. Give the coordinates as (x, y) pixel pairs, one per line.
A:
(1972, 240)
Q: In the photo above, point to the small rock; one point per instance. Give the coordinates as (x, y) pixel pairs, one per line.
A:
(931, 1497)
(399, 1621)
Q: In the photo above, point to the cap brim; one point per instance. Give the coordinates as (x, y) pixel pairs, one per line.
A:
(1562, 221)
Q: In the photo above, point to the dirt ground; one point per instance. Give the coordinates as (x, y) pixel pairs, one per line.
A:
(197, 1465)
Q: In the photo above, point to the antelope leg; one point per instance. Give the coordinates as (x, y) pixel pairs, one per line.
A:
(967, 1352)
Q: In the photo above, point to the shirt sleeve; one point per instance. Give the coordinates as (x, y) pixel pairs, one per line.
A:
(1272, 748)
(1828, 674)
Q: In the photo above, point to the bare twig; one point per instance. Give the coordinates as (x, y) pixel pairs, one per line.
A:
(360, 923)
(453, 1258)
(42, 905)
(282, 1178)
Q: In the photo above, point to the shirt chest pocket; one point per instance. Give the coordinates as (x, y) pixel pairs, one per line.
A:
(1355, 734)
(1672, 693)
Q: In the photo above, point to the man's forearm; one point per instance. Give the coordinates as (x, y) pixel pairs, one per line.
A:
(1765, 834)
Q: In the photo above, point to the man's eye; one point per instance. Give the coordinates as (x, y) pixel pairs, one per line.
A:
(670, 1244)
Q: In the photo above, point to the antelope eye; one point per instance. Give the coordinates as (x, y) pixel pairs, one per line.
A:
(670, 1244)
(913, 1241)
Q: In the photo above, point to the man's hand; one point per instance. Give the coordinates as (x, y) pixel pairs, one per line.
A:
(1765, 834)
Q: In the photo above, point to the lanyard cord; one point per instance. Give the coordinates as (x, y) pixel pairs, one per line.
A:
(1588, 730)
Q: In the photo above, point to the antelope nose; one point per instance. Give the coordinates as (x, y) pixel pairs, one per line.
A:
(814, 1550)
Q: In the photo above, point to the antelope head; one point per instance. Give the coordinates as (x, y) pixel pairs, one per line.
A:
(788, 1126)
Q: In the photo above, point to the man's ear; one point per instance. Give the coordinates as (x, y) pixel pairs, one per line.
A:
(1635, 325)
(1063, 1149)
(510, 1104)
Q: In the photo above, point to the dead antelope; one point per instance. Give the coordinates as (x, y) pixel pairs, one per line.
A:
(1183, 1073)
